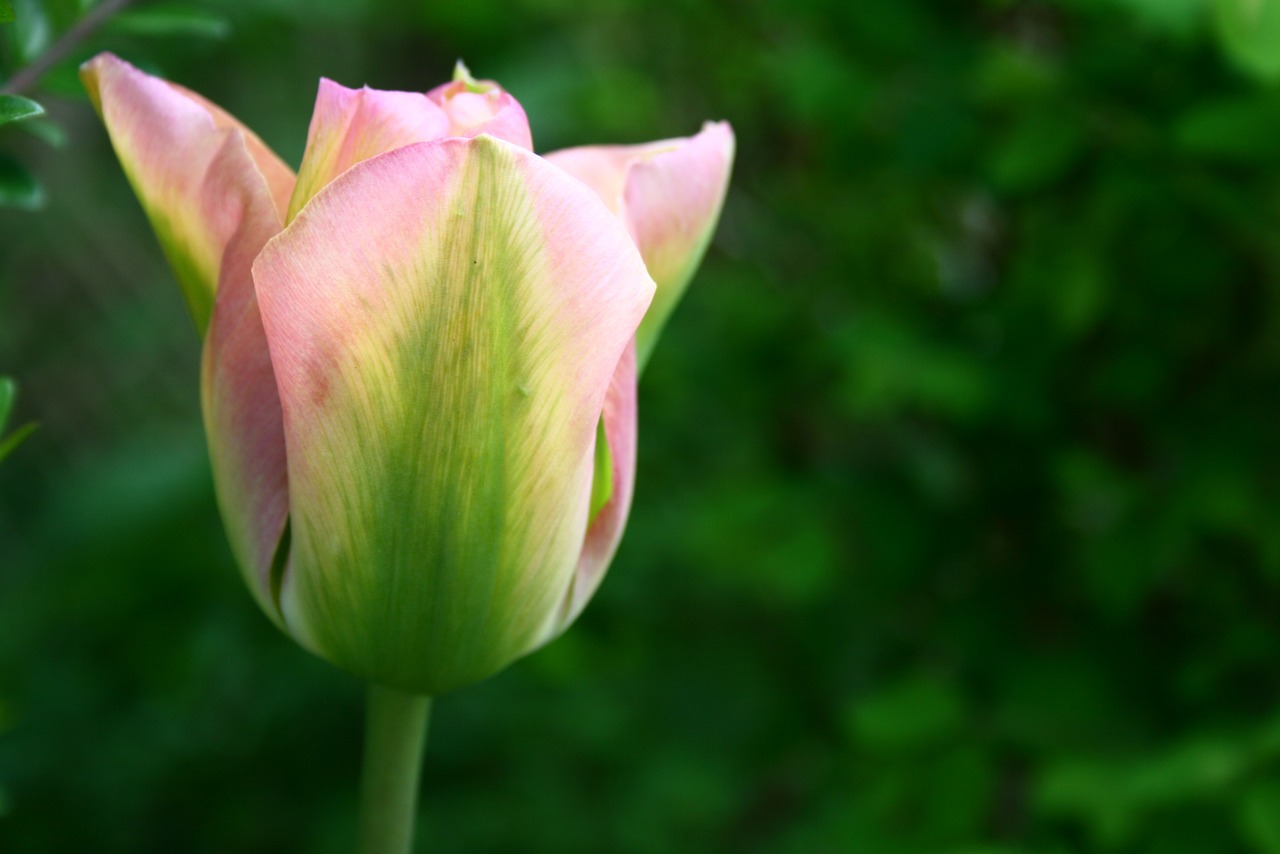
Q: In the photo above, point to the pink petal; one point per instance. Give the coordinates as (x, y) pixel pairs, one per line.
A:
(216, 195)
(669, 194)
(604, 168)
(352, 125)
(482, 106)
(168, 139)
(279, 177)
(241, 405)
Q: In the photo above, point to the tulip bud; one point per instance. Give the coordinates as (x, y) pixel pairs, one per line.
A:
(419, 365)
(481, 106)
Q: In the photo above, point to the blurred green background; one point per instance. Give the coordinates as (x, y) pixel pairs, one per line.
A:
(958, 517)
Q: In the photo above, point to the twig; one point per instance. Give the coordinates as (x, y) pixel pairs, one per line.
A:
(30, 74)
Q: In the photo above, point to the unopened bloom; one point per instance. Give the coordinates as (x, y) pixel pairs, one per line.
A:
(419, 363)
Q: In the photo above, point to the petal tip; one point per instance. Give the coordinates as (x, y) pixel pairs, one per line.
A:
(329, 86)
(105, 57)
(722, 131)
(92, 71)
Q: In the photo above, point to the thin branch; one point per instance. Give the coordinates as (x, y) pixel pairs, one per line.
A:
(30, 74)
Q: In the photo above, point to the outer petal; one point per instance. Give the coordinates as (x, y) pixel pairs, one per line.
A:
(167, 140)
(351, 125)
(444, 321)
(669, 194)
(242, 414)
(482, 106)
(605, 530)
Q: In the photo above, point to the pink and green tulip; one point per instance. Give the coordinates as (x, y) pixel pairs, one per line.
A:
(420, 354)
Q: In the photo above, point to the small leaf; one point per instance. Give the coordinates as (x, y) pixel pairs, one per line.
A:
(18, 187)
(15, 108)
(171, 21)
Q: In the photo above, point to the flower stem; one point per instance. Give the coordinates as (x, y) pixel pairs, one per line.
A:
(395, 733)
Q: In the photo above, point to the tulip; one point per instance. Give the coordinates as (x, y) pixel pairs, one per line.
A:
(420, 354)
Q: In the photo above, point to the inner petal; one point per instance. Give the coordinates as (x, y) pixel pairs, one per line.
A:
(353, 125)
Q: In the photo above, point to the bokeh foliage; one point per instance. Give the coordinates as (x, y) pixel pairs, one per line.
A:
(957, 525)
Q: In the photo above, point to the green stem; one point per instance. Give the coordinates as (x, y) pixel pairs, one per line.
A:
(395, 733)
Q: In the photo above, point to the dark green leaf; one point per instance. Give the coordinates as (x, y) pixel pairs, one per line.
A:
(15, 108)
(18, 187)
(6, 12)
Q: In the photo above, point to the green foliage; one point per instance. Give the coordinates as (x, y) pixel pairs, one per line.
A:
(1250, 33)
(1232, 129)
(1115, 797)
(915, 712)
(1260, 817)
(1173, 17)
(956, 516)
